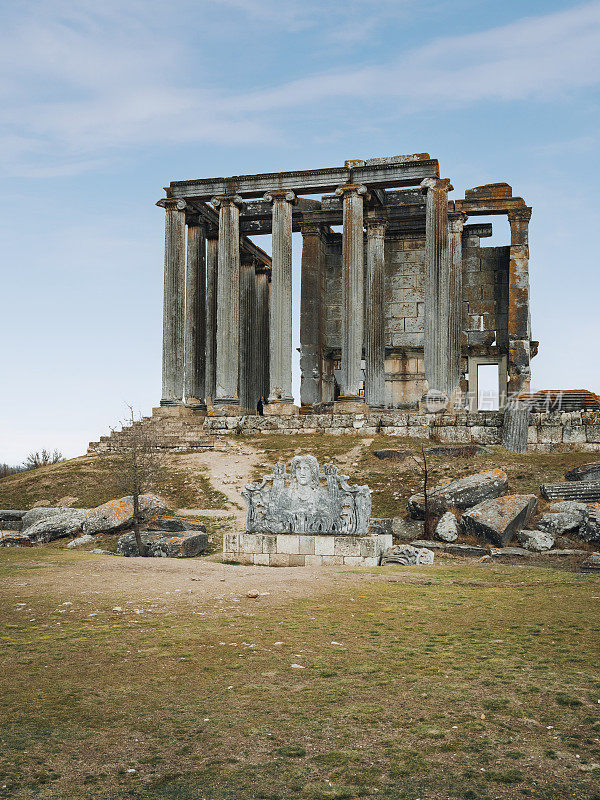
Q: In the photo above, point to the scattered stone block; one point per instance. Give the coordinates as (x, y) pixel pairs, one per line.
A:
(85, 539)
(11, 514)
(174, 524)
(454, 548)
(498, 520)
(164, 544)
(447, 529)
(513, 552)
(15, 540)
(591, 564)
(581, 491)
(407, 555)
(463, 493)
(42, 504)
(561, 522)
(406, 528)
(585, 472)
(537, 541)
(117, 515)
(68, 501)
(48, 524)
(590, 531)
(393, 455)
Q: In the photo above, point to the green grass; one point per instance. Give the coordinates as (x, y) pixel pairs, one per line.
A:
(447, 688)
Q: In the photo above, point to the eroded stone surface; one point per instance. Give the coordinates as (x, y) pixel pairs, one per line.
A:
(407, 555)
(296, 502)
(537, 541)
(561, 522)
(585, 472)
(463, 493)
(163, 544)
(447, 529)
(117, 515)
(173, 524)
(498, 520)
(48, 524)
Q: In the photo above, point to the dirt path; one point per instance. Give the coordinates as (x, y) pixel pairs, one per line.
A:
(229, 468)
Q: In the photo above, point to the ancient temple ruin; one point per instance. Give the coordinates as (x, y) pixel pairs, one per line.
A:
(403, 301)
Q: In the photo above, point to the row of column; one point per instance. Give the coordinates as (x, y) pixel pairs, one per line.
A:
(212, 297)
(204, 353)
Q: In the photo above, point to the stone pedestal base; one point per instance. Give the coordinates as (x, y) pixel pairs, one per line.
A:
(350, 405)
(299, 550)
(176, 411)
(280, 409)
(224, 410)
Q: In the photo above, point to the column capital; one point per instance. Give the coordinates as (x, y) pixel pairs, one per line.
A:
(519, 214)
(437, 184)
(456, 221)
(313, 229)
(280, 194)
(353, 188)
(376, 227)
(169, 203)
(227, 199)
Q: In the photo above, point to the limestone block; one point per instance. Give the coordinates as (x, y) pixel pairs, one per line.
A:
(228, 556)
(346, 545)
(370, 562)
(499, 519)
(313, 561)
(550, 434)
(279, 560)
(269, 543)
(353, 561)
(454, 434)
(324, 545)
(250, 543)
(231, 543)
(532, 435)
(330, 561)
(574, 434)
(262, 559)
(288, 543)
(244, 558)
(297, 560)
(592, 433)
(416, 325)
(307, 545)
(486, 435)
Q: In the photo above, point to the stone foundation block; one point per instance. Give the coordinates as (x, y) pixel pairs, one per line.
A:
(307, 545)
(288, 543)
(346, 545)
(313, 561)
(592, 433)
(354, 561)
(297, 560)
(251, 543)
(279, 560)
(231, 542)
(269, 543)
(332, 561)
(262, 559)
(325, 545)
(244, 558)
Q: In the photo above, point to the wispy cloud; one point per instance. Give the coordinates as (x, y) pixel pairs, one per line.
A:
(85, 80)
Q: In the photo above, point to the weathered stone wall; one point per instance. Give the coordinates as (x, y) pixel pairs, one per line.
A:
(485, 294)
(547, 431)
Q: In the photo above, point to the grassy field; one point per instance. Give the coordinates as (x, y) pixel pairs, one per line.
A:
(451, 681)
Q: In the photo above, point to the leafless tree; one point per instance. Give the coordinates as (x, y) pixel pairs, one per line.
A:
(42, 458)
(137, 463)
(6, 470)
(431, 515)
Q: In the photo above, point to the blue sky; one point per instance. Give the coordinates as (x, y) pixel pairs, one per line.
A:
(104, 103)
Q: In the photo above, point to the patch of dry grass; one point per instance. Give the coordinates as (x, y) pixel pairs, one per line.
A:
(447, 682)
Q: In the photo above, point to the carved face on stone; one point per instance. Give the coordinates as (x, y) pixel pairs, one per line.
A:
(305, 469)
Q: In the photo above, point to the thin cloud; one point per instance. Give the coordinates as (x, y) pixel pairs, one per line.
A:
(93, 81)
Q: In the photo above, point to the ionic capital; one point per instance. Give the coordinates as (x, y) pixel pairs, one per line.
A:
(376, 228)
(169, 203)
(227, 199)
(456, 221)
(280, 194)
(353, 188)
(436, 184)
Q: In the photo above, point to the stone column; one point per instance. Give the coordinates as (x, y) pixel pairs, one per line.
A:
(228, 301)
(262, 331)
(313, 265)
(280, 389)
(519, 325)
(456, 222)
(374, 323)
(195, 314)
(248, 366)
(173, 303)
(437, 286)
(212, 254)
(353, 250)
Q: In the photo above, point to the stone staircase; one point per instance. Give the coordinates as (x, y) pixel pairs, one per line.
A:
(170, 432)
